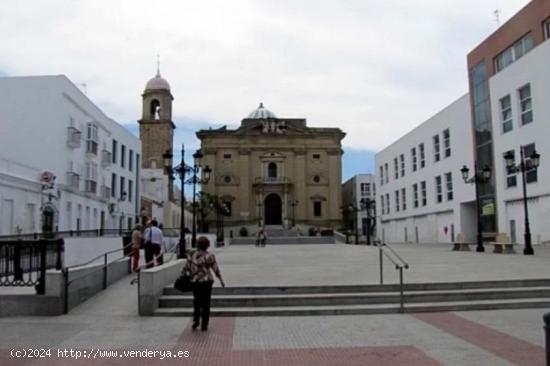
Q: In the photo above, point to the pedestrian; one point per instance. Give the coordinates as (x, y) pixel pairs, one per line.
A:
(137, 240)
(263, 238)
(259, 237)
(153, 245)
(200, 262)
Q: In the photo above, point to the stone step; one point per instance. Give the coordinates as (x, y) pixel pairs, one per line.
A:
(360, 309)
(335, 289)
(285, 240)
(327, 299)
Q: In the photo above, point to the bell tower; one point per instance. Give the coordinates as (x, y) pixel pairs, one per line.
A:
(156, 128)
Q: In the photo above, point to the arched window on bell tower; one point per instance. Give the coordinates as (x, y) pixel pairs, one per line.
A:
(155, 110)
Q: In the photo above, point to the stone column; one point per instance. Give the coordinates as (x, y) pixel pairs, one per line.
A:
(300, 180)
(335, 185)
(245, 185)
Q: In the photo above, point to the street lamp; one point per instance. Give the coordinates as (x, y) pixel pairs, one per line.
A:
(524, 168)
(293, 204)
(482, 176)
(260, 214)
(354, 210)
(194, 180)
(369, 205)
(181, 170)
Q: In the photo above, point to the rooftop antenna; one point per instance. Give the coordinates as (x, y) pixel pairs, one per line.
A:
(497, 17)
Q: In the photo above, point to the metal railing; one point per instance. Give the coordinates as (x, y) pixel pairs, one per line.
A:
(67, 234)
(399, 264)
(24, 263)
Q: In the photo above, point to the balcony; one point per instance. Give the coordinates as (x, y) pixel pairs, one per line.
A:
(73, 180)
(91, 186)
(105, 192)
(74, 137)
(106, 158)
(272, 181)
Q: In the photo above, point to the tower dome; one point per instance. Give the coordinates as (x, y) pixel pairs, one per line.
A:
(261, 113)
(157, 83)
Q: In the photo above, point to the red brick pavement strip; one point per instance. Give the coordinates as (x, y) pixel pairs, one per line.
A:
(215, 347)
(505, 346)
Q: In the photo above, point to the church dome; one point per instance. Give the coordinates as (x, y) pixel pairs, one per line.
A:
(261, 113)
(157, 83)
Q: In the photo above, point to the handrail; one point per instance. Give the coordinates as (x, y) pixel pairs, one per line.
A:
(99, 256)
(398, 266)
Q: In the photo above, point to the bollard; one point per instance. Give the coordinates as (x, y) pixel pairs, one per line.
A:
(546, 318)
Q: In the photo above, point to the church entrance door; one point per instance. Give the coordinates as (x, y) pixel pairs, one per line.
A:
(273, 210)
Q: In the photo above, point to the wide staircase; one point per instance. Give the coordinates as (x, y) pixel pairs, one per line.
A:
(364, 299)
(280, 235)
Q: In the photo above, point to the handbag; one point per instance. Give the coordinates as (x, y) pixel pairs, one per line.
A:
(183, 283)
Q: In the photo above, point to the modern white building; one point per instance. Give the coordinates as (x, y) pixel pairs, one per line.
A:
(354, 190)
(63, 162)
(520, 109)
(421, 196)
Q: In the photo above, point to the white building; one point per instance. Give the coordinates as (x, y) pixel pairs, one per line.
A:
(421, 196)
(49, 128)
(357, 188)
(520, 107)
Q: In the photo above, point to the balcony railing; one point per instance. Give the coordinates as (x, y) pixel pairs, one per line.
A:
(74, 137)
(105, 192)
(73, 180)
(91, 186)
(106, 158)
(272, 180)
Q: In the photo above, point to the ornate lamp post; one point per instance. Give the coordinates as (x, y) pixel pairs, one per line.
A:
(181, 170)
(369, 205)
(479, 177)
(260, 219)
(524, 167)
(194, 180)
(353, 211)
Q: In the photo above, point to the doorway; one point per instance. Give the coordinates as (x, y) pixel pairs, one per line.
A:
(273, 207)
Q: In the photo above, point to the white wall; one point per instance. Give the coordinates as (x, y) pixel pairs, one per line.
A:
(35, 113)
(429, 220)
(533, 69)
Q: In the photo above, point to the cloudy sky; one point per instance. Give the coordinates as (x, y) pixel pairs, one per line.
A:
(374, 68)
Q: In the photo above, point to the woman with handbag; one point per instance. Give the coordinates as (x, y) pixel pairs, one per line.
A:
(199, 264)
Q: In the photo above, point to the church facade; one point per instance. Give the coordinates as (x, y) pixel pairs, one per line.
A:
(275, 172)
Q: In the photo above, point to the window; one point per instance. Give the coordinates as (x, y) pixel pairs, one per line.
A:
(122, 184)
(397, 207)
(365, 189)
(526, 106)
(381, 175)
(413, 158)
(122, 155)
(422, 160)
(272, 170)
(547, 29)
(137, 162)
(506, 114)
(449, 185)
(386, 176)
(511, 177)
(130, 160)
(415, 195)
(91, 177)
(530, 176)
(438, 189)
(317, 209)
(113, 185)
(403, 199)
(130, 188)
(447, 142)
(227, 156)
(423, 192)
(387, 203)
(402, 163)
(91, 139)
(382, 204)
(437, 156)
(317, 156)
(395, 168)
(114, 150)
(513, 53)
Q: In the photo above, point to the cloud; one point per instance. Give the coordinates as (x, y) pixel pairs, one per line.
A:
(375, 69)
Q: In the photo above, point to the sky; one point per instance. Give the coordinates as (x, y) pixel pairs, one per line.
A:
(376, 69)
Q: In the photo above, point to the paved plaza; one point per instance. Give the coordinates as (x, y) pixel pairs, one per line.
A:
(109, 321)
